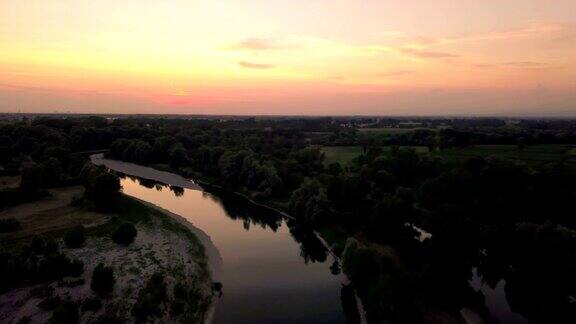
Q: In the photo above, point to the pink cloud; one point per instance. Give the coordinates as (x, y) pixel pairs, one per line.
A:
(251, 65)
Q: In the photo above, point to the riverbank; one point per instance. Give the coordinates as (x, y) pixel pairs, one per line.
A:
(198, 184)
(160, 237)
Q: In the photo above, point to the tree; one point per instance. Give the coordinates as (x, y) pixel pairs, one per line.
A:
(32, 179)
(178, 156)
(161, 148)
(125, 234)
(75, 237)
(310, 203)
(9, 225)
(102, 280)
(102, 187)
(150, 298)
(51, 172)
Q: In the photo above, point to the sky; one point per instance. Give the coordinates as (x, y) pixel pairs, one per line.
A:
(297, 57)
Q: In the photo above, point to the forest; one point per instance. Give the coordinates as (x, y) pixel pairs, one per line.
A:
(495, 196)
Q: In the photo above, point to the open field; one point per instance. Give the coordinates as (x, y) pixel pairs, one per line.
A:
(345, 154)
(532, 155)
(50, 214)
(340, 154)
(390, 131)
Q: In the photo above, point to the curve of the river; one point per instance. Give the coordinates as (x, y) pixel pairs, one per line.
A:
(272, 270)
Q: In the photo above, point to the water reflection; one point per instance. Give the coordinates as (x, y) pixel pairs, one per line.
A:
(274, 270)
(495, 299)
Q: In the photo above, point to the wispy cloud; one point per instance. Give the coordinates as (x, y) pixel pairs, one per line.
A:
(421, 53)
(257, 44)
(397, 73)
(251, 65)
(553, 30)
(526, 64)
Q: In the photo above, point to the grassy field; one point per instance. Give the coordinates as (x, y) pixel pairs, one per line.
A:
(345, 154)
(340, 154)
(535, 155)
(391, 131)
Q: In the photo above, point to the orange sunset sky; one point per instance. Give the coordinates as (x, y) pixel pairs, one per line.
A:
(310, 57)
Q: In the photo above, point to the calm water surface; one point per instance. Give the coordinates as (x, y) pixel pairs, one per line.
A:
(273, 271)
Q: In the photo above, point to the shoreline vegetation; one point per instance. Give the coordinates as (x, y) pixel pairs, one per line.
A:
(139, 269)
(167, 176)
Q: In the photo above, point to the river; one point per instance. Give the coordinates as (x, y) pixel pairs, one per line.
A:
(273, 271)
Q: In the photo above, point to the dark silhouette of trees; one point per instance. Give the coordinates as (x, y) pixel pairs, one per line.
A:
(75, 237)
(102, 187)
(125, 234)
(150, 299)
(102, 280)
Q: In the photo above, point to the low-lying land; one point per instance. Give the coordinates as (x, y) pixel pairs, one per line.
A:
(164, 254)
(533, 155)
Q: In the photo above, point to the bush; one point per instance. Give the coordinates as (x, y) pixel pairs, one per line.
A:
(41, 245)
(93, 304)
(57, 265)
(110, 318)
(177, 307)
(150, 298)
(24, 320)
(125, 234)
(102, 280)
(9, 225)
(65, 313)
(75, 237)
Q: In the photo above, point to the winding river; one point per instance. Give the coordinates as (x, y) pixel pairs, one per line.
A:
(272, 270)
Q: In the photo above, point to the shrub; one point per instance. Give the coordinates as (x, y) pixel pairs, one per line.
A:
(150, 298)
(75, 237)
(57, 265)
(125, 234)
(102, 280)
(93, 304)
(9, 225)
(65, 313)
(41, 245)
(24, 320)
(177, 307)
(110, 318)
